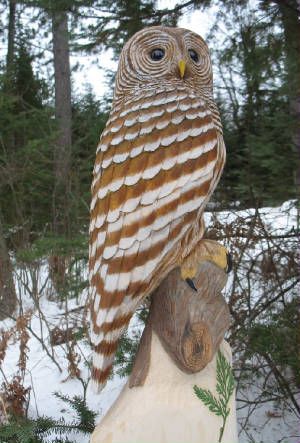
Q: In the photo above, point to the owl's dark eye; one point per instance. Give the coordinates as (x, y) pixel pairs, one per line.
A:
(194, 56)
(157, 54)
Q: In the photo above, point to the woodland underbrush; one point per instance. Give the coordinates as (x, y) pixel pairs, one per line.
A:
(45, 341)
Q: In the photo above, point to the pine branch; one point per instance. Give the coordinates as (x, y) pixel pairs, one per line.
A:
(44, 429)
(224, 387)
(209, 400)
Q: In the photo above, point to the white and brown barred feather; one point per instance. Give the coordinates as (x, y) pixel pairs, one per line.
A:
(157, 163)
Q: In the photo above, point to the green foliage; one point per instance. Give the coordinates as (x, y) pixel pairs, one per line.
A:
(115, 21)
(27, 179)
(278, 340)
(125, 354)
(45, 429)
(132, 15)
(27, 134)
(34, 91)
(224, 387)
(209, 400)
(256, 101)
(85, 416)
(88, 121)
(128, 344)
(54, 245)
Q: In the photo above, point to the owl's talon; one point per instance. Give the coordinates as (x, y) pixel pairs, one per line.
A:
(191, 284)
(229, 262)
(206, 250)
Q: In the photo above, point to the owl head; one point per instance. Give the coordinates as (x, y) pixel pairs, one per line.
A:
(161, 55)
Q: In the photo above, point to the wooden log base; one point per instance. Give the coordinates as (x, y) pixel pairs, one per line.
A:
(190, 325)
(197, 347)
(166, 409)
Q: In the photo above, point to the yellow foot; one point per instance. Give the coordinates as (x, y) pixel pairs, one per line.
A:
(206, 250)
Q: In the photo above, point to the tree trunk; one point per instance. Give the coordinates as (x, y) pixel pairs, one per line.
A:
(63, 145)
(291, 27)
(8, 298)
(11, 37)
(63, 115)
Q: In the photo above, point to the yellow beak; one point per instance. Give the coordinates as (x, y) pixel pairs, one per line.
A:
(181, 66)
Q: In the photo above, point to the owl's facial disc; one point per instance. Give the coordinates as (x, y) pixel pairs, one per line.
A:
(150, 55)
(160, 54)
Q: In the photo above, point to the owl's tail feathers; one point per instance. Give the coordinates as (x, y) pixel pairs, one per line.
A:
(105, 338)
(108, 326)
(103, 358)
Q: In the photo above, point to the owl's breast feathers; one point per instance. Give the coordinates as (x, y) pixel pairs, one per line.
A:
(158, 161)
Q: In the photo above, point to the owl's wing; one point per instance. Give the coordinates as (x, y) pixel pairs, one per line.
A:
(156, 165)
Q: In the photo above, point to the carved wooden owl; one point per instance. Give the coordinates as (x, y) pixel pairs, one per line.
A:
(157, 164)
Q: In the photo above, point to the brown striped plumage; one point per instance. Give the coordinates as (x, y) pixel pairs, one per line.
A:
(157, 163)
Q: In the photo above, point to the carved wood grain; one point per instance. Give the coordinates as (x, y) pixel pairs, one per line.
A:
(189, 324)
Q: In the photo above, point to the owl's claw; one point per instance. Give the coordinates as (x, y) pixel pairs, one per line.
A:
(206, 250)
(191, 284)
(229, 262)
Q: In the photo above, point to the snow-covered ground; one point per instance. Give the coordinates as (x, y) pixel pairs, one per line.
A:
(265, 423)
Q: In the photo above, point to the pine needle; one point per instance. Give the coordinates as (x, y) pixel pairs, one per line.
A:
(224, 387)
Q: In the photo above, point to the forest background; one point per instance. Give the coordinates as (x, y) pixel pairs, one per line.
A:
(48, 137)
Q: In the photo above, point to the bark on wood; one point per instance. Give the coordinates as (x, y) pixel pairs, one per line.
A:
(8, 298)
(63, 115)
(11, 37)
(189, 324)
(63, 144)
(291, 30)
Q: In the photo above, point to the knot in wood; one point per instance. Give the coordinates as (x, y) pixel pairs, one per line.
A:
(197, 347)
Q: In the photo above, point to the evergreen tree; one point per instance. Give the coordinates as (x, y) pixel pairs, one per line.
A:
(25, 151)
(45, 429)
(110, 24)
(255, 102)
(89, 119)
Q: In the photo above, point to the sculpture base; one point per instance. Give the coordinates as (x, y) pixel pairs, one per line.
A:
(166, 409)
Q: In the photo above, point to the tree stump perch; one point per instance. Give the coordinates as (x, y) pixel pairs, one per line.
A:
(189, 324)
(177, 350)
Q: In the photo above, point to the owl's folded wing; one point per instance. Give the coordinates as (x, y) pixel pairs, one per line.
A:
(156, 165)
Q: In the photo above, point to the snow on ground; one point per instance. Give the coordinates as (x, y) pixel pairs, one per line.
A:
(267, 422)
(44, 378)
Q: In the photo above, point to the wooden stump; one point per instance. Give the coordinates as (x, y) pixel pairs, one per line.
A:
(177, 350)
(189, 324)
